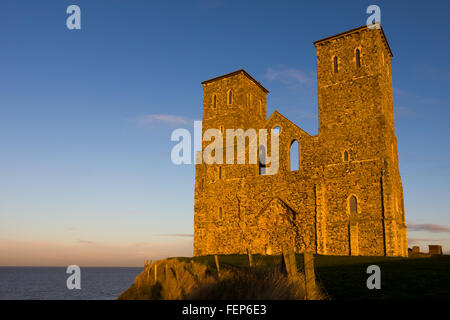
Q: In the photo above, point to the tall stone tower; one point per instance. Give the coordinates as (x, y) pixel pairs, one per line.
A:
(356, 116)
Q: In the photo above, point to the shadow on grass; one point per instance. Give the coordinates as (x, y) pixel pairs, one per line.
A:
(344, 278)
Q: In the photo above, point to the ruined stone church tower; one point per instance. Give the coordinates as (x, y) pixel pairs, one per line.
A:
(345, 197)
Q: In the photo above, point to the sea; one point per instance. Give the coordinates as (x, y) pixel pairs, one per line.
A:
(50, 283)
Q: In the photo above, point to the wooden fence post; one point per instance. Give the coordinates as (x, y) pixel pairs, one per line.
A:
(310, 276)
(250, 258)
(293, 263)
(290, 262)
(167, 274)
(285, 258)
(177, 276)
(216, 258)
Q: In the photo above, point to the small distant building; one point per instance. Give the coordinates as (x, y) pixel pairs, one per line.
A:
(435, 250)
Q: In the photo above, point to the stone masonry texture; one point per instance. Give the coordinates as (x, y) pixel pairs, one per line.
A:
(346, 198)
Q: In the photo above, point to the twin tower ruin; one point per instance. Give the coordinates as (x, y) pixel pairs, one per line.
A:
(345, 197)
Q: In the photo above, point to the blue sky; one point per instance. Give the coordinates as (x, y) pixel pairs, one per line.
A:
(86, 115)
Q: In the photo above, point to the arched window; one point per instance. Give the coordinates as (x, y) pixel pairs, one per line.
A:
(358, 58)
(353, 205)
(277, 130)
(345, 155)
(230, 97)
(294, 155)
(260, 107)
(262, 160)
(335, 62)
(220, 213)
(220, 172)
(214, 102)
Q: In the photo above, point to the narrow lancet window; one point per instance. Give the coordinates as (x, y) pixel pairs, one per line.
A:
(262, 160)
(358, 58)
(294, 156)
(230, 97)
(353, 205)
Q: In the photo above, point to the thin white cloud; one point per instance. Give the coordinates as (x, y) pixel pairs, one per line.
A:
(85, 241)
(402, 111)
(417, 99)
(429, 227)
(189, 235)
(147, 119)
(294, 78)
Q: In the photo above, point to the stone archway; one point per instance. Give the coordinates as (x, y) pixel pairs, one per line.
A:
(275, 225)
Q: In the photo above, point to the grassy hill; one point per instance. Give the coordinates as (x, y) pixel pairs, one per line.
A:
(186, 279)
(340, 278)
(345, 277)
